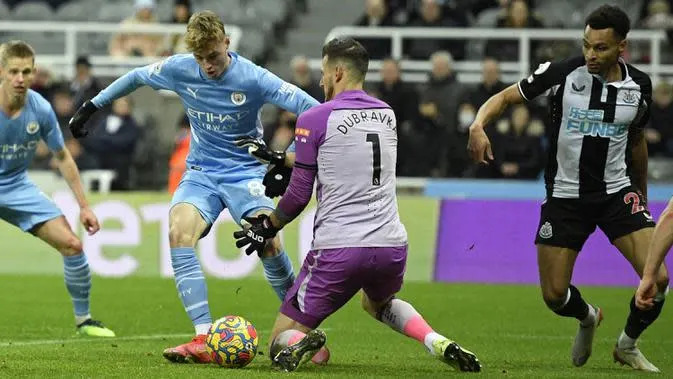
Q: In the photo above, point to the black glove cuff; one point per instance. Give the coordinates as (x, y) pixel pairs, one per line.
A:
(89, 108)
(269, 226)
(277, 158)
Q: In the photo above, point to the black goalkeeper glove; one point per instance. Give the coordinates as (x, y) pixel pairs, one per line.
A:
(276, 180)
(80, 118)
(256, 236)
(258, 149)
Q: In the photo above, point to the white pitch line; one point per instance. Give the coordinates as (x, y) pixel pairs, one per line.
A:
(87, 340)
(106, 339)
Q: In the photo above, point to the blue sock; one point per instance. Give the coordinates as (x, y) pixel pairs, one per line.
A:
(78, 282)
(191, 285)
(278, 272)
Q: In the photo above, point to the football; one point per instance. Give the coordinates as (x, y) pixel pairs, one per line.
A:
(232, 341)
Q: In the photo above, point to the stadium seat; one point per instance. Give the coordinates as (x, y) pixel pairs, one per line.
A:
(115, 12)
(272, 10)
(32, 11)
(556, 14)
(93, 43)
(74, 11)
(164, 11)
(4, 11)
(103, 178)
(631, 7)
(252, 43)
(43, 42)
(223, 8)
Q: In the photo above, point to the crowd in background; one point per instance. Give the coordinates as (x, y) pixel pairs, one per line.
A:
(433, 117)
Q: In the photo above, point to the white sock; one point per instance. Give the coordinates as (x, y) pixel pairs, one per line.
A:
(430, 338)
(625, 342)
(81, 319)
(591, 316)
(201, 328)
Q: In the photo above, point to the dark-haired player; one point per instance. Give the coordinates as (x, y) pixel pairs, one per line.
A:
(349, 144)
(595, 176)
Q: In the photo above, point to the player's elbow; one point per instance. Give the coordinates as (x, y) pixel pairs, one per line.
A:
(510, 95)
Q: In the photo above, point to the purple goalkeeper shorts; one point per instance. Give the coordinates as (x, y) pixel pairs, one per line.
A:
(330, 277)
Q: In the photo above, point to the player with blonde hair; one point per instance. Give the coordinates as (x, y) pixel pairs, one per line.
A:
(222, 94)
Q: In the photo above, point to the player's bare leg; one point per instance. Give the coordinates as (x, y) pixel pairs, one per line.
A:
(634, 247)
(57, 233)
(556, 267)
(293, 344)
(186, 225)
(403, 318)
(277, 266)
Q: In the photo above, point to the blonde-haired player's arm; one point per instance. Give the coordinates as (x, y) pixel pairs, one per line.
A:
(158, 75)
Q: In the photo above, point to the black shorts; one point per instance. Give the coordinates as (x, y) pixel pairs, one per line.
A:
(569, 222)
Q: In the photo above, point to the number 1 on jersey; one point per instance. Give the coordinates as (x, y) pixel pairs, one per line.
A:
(376, 154)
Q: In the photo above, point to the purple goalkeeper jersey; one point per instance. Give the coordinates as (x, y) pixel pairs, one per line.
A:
(350, 145)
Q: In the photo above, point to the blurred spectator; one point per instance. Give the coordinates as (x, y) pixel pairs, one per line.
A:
(399, 11)
(112, 141)
(645, 5)
(401, 96)
(478, 6)
(490, 83)
(431, 15)
(517, 16)
(138, 44)
(177, 164)
(283, 133)
(42, 82)
(437, 120)
(659, 131)
(403, 99)
(518, 150)
(303, 78)
(63, 104)
(182, 11)
(658, 17)
(63, 108)
(376, 14)
(84, 86)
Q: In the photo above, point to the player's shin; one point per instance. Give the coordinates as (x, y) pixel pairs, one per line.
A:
(639, 320)
(573, 305)
(191, 286)
(403, 318)
(278, 272)
(78, 282)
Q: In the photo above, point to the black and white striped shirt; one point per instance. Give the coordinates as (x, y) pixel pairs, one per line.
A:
(593, 123)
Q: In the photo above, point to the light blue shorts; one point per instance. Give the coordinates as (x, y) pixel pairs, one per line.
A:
(210, 194)
(23, 205)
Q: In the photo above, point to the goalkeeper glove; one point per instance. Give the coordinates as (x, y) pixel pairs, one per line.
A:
(276, 180)
(260, 231)
(258, 149)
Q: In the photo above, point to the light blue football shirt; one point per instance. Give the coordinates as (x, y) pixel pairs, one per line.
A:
(19, 137)
(220, 110)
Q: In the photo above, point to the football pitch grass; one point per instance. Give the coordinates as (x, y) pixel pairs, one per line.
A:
(507, 326)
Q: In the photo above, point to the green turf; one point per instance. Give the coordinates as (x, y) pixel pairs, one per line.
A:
(507, 326)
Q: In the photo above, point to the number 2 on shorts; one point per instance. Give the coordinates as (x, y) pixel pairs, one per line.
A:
(633, 199)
